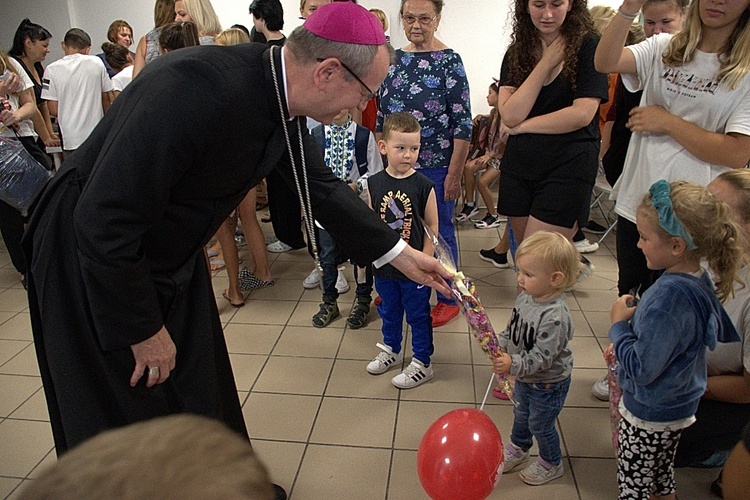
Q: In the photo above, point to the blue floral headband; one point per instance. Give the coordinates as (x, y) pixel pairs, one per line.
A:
(668, 220)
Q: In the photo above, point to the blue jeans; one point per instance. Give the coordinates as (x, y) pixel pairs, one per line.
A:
(401, 296)
(446, 210)
(330, 258)
(538, 408)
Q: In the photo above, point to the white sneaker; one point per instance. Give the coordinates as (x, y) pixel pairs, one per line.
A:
(413, 375)
(278, 246)
(342, 286)
(511, 461)
(312, 280)
(385, 360)
(585, 246)
(271, 239)
(600, 389)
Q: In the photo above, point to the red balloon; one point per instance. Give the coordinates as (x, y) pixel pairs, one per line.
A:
(460, 456)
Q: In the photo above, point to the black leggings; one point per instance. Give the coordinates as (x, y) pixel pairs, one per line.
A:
(718, 427)
(631, 263)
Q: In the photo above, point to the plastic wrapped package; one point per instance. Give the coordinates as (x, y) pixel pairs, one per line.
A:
(465, 293)
(615, 394)
(22, 178)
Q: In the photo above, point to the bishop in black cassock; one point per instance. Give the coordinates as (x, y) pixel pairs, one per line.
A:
(115, 241)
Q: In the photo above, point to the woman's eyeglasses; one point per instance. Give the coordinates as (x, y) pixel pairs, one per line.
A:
(423, 20)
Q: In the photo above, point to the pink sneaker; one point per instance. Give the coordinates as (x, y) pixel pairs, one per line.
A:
(499, 394)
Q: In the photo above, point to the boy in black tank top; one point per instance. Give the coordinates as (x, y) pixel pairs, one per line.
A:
(404, 199)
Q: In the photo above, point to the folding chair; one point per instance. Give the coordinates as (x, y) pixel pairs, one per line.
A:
(602, 189)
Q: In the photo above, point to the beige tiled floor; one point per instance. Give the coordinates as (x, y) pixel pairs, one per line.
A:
(325, 427)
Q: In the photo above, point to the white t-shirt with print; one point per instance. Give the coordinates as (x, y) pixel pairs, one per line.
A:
(76, 82)
(690, 92)
(25, 127)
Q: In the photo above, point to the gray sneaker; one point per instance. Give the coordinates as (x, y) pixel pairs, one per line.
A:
(587, 269)
(600, 389)
(538, 473)
(278, 246)
(312, 280)
(511, 461)
(586, 246)
(342, 285)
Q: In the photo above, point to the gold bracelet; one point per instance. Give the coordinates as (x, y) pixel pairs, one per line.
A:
(629, 17)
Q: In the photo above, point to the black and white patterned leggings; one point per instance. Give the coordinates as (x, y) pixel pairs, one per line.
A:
(645, 461)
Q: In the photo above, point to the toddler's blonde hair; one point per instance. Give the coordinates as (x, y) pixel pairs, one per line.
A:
(557, 252)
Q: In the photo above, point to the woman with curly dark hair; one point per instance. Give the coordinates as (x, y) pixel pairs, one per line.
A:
(549, 98)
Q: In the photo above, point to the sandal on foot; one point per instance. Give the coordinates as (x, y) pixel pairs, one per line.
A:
(217, 264)
(224, 294)
(250, 282)
(358, 315)
(328, 312)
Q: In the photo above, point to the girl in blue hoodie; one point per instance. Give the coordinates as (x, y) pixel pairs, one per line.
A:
(661, 342)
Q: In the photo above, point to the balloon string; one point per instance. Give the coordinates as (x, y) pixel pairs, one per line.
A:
(487, 392)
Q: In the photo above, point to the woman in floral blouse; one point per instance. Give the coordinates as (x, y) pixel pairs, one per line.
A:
(429, 81)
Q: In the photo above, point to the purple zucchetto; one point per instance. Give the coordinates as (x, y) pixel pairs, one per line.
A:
(346, 22)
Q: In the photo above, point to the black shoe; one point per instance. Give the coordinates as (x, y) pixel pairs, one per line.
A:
(466, 213)
(358, 315)
(594, 227)
(489, 221)
(499, 260)
(279, 492)
(716, 487)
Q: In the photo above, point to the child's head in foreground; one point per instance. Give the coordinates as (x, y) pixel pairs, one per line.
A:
(547, 264)
(178, 456)
(401, 140)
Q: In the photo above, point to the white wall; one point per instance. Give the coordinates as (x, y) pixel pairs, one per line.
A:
(476, 29)
(52, 14)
